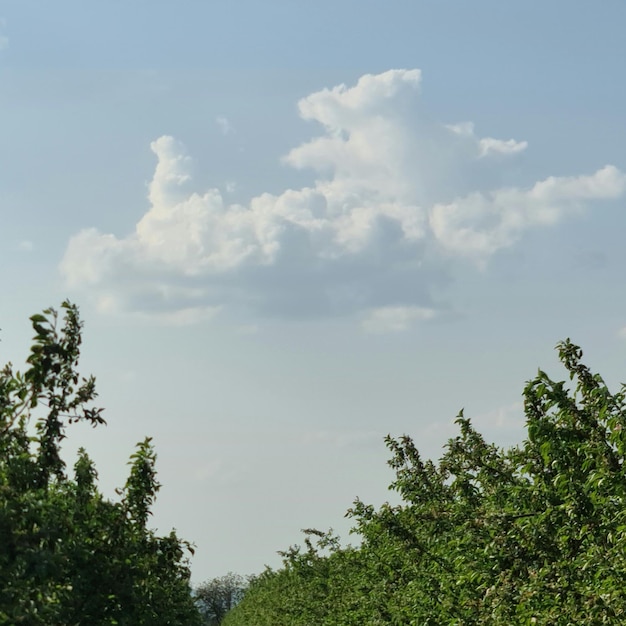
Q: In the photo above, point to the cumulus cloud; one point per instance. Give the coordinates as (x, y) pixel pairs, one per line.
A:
(479, 224)
(397, 196)
(488, 145)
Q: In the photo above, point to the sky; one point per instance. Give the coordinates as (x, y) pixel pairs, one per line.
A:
(293, 228)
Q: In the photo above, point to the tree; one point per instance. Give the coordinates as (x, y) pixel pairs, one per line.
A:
(219, 595)
(535, 534)
(68, 555)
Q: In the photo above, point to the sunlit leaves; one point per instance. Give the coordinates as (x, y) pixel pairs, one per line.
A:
(530, 535)
(67, 554)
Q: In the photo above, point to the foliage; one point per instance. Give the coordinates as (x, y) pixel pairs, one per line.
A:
(218, 596)
(68, 555)
(530, 535)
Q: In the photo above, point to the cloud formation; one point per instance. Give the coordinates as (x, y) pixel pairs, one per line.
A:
(224, 124)
(397, 196)
(394, 318)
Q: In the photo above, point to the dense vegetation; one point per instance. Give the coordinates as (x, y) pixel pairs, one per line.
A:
(535, 534)
(68, 556)
(217, 596)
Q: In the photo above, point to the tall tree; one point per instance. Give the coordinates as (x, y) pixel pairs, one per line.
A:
(218, 596)
(67, 554)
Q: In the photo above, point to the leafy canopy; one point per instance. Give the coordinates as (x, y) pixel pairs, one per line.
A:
(68, 555)
(534, 534)
(217, 596)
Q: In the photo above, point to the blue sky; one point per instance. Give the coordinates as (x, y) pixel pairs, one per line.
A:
(293, 228)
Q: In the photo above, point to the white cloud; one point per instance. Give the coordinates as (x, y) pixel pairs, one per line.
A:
(395, 318)
(395, 194)
(224, 124)
(488, 145)
(479, 224)
(506, 418)
(164, 314)
(186, 316)
(342, 439)
(26, 245)
(209, 470)
(504, 426)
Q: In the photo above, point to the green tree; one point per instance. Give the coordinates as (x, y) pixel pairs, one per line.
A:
(535, 534)
(68, 556)
(218, 596)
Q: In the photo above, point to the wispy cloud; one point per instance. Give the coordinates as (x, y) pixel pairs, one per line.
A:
(397, 197)
(395, 318)
(505, 419)
(488, 145)
(224, 124)
(503, 425)
(342, 439)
